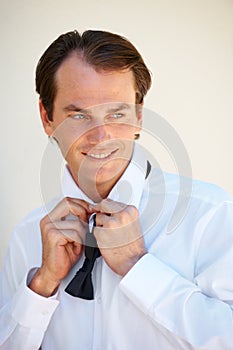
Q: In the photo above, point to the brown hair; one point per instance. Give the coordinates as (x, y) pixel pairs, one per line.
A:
(102, 50)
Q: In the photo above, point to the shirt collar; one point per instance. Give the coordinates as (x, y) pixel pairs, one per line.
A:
(127, 190)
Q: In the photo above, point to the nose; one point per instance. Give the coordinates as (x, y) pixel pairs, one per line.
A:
(98, 133)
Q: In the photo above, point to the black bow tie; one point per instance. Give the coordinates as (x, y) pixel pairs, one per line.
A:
(81, 285)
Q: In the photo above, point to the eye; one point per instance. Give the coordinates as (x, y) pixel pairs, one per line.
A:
(117, 115)
(78, 116)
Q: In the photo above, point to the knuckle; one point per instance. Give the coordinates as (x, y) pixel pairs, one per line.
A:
(67, 201)
(132, 211)
(113, 222)
(52, 233)
(74, 207)
(44, 221)
(47, 227)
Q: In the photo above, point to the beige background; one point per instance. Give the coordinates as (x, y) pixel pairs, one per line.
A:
(187, 44)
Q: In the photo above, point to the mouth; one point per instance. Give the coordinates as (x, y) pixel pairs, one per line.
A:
(101, 155)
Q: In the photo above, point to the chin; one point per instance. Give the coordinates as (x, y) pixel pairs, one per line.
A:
(111, 170)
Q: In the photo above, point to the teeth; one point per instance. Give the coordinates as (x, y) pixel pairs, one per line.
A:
(99, 156)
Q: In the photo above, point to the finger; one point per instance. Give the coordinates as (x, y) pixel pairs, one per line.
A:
(100, 219)
(74, 248)
(53, 238)
(109, 239)
(74, 230)
(73, 236)
(109, 206)
(106, 220)
(88, 206)
(63, 236)
(68, 224)
(68, 206)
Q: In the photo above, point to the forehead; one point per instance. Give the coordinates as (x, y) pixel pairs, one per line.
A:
(79, 82)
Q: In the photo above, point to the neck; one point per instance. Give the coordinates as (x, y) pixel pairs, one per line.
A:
(95, 188)
(96, 192)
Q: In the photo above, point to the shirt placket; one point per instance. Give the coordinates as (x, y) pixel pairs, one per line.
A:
(97, 326)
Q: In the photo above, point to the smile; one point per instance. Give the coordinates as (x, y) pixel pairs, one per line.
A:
(103, 155)
(99, 156)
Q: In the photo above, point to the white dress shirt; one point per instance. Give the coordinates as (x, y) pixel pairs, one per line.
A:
(178, 296)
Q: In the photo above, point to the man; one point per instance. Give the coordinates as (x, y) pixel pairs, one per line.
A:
(147, 289)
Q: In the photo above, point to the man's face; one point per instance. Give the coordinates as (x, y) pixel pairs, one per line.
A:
(94, 120)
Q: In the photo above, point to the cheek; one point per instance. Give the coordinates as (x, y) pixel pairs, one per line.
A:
(122, 131)
(68, 136)
(66, 142)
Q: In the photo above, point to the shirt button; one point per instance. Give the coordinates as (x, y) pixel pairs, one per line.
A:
(99, 300)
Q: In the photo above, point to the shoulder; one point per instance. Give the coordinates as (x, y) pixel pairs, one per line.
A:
(175, 199)
(174, 185)
(30, 223)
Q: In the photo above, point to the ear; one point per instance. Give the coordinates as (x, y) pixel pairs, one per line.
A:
(139, 116)
(47, 124)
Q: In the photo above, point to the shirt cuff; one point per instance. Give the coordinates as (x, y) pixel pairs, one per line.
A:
(30, 309)
(147, 282)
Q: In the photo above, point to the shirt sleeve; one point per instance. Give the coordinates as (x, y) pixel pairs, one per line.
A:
(199, 311)
(24, 315)
(24, 319)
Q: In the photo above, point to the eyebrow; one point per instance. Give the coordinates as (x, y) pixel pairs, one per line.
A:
(120, 107)
(74, 108)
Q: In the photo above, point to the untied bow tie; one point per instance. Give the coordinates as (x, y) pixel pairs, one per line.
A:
(81, 285)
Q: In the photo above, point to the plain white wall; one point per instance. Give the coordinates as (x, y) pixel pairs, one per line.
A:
(187, 45)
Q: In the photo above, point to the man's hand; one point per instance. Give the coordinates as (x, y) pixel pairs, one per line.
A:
(63, 231)
(118, 235)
